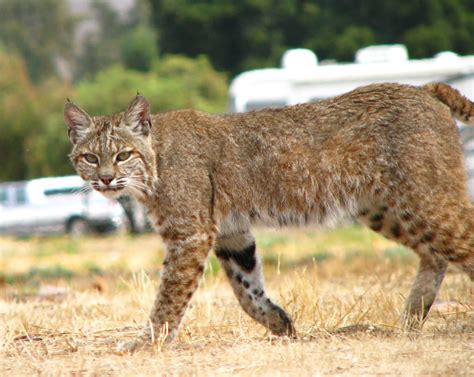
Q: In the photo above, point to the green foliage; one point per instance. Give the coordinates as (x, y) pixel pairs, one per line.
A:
(427, 40)
(248, 34)
(139, 49)
(48, 145)
(40, 31)
(351, 39)
(19, 114)
(102, 47)
(175, 82)
(117, 40)
(31, 126)
(192, 83)
(230, 33)
(112, 89)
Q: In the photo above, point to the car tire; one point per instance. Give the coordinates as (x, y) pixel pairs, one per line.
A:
(78, 227)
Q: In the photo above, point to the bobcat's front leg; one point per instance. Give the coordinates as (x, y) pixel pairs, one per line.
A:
(183, 268)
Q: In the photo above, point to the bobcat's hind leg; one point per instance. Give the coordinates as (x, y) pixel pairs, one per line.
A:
(428, 280)
(438, 244)
(413, 233)
(435, 241)
(237, 255)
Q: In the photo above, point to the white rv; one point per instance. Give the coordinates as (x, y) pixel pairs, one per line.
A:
(302, 78)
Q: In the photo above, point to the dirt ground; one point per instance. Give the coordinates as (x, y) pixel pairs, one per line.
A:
(64, 305)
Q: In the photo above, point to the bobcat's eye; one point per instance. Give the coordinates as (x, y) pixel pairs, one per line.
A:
(123, 156)
(91, 158)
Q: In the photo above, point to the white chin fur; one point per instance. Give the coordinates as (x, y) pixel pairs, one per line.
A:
(111, 194)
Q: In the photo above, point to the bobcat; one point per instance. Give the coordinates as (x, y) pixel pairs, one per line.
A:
(387, 154)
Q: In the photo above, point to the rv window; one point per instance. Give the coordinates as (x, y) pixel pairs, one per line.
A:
(257, 105)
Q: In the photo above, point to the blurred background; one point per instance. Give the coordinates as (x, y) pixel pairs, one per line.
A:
(215, 56)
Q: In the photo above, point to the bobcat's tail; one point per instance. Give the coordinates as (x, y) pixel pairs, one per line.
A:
(461, 107)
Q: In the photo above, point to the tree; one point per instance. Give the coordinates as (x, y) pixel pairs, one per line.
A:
(19, 115)
(33, 138)
(175, 82)
(47, 142)
(40, 31)
(139, 48)
(117, 40)
(249, 34)
(102, 47)
(351, 39)
(191, 83)
(233, 34)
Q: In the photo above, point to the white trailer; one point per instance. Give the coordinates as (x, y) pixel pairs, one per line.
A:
(302, 79)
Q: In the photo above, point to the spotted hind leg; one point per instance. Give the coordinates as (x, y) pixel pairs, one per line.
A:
(237, 254)
(414, 233)
(428, 280)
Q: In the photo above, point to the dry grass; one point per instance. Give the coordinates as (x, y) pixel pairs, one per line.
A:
(65, 303)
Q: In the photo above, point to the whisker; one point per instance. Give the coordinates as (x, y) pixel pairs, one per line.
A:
(139, 186)
(138, 183)
(84, 189)
(140, 179)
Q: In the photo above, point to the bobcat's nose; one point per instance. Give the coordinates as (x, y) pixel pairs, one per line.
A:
(106, 178)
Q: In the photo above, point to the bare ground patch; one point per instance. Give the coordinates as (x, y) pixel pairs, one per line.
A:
(345, 290)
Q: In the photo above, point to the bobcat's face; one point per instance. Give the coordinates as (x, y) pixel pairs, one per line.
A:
(113, 153)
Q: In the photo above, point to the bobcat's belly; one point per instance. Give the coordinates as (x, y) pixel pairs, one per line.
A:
(240, 221)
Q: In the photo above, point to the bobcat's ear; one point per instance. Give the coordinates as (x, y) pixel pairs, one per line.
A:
(78, 122)
(137, 116)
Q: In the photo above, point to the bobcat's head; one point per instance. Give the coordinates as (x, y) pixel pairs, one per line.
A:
(113, 153)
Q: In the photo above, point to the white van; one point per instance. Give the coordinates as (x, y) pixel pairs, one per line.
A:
(302, 78)
(56, 205)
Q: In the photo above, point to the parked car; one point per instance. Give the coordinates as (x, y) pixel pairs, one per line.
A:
(56, 205)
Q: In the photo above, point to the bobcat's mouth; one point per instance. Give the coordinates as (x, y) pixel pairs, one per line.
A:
(110, 190)
(105, 189)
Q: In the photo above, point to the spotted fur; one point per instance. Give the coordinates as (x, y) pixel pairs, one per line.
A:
(387, 154)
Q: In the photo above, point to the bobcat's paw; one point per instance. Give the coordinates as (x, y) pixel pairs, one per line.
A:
(131, 346)
(147, 337)
(279, 322)
(127, 346)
